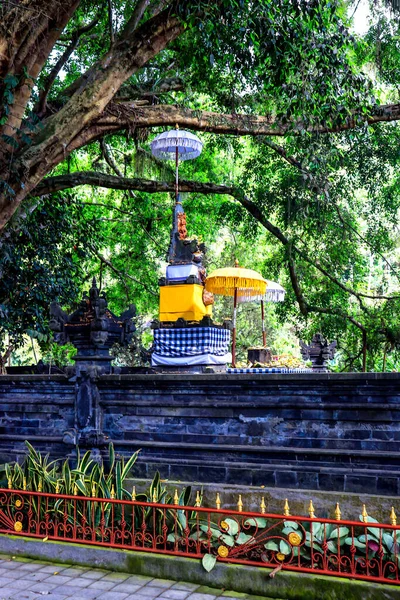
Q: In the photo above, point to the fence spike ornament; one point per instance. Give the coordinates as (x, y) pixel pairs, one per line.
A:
(218, 501)
(134, 493)
(311, 510)
(9, 482)
(198, 499)
(286, 509)
(240, 504)
(338, 514)
(176, 497)
(24, 483)
(393, 517)
(262, 506)
(364, 514)
(112, 493)
(58, 486)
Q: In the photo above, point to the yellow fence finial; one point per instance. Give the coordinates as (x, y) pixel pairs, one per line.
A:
(262, 506)
(24, 483)
(134, 493)
(40, 486)
(198, 499)
(93, 490)
(286, 510)
(112, 493)
(393, 518)
(311, 510)
(338, 514)
(176, 498)
(154, 496)
(9, 482)
(58, 486)
(218, 501)
(240, 503)
(75, 489)
(364, 514)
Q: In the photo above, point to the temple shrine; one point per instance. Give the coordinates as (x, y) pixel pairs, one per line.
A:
(185, 334)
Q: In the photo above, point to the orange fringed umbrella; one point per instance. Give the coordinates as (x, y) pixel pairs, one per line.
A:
(237, 282)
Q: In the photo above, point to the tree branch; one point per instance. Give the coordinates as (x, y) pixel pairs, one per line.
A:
(298, 165)
(129, 93)
(121, 275)
(61, 182)
(136, 16)
(110, 21)
(26, 40)
(111, 162)
(365, 240)
(235, 124)
(40, 107)
(301, 301)
(122, 116)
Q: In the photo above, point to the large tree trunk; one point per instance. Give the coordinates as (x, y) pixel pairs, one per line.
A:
(28, 33)
(51, 145)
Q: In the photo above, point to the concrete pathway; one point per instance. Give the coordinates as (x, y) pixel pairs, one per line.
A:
(23, 579)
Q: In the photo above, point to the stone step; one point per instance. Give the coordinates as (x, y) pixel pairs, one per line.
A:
(388, 442)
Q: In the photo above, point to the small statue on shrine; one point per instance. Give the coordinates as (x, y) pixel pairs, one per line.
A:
(182, 231)
(58, 318)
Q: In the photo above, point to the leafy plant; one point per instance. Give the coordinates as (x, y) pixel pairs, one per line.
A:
(314, 542)
(91, 479)
(227, 535)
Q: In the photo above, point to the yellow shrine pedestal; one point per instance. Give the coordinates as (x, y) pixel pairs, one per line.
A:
(183, 301)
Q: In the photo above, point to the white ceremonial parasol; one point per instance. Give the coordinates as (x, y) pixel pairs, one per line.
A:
(274, 293)
(176, 144)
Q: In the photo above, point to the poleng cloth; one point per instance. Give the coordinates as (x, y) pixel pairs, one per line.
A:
(190, 341)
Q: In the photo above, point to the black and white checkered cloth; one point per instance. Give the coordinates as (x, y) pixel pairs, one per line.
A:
(191, 341)
(268, 370)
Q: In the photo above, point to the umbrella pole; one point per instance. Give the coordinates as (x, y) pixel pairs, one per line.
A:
(264, 337)
(234, 329)
(176, 175)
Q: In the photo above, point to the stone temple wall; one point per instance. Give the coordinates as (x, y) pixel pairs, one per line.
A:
(34, 407)
(337, 432)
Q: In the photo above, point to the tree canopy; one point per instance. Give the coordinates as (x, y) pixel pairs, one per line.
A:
(298, 176)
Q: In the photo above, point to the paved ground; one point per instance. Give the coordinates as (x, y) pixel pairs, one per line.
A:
(22, 579)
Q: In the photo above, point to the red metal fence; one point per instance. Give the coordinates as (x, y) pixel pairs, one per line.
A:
(361, 550)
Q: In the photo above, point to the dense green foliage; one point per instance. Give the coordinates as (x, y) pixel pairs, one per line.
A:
(39, 263)
(333, 197)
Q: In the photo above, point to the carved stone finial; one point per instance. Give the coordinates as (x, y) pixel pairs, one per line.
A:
(92, 329)
(319, 351)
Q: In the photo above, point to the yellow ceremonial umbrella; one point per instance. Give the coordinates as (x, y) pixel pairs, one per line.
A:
(236, 281)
